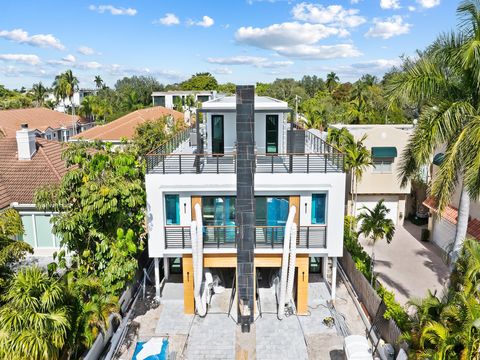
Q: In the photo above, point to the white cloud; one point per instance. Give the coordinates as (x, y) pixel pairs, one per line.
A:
(334, 15)
(40, 40)
(378, 64)
(21, 58)
(428, 3)
(168, 20)
(90, 65)
(85, 50)
(206, 22)
(113, 10)
(390, 4)
(390, 27)
(222, 71)
(69, 58)
(412, 8)
(285, 34)
(257, 61)
(320, 52)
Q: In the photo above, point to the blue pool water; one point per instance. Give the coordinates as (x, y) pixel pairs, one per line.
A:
(162, 355)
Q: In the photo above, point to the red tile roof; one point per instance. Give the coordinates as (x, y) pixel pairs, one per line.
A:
(451, 214)
(19, 179)
(36, 118)
(124, 127)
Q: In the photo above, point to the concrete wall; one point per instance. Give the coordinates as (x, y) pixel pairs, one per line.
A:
(265, 184)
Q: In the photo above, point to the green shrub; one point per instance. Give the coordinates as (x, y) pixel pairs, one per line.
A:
(394, 311)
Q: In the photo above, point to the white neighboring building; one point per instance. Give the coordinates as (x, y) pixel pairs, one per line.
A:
(64, 104)
(313, 181)
(386, 142)
(168, 98)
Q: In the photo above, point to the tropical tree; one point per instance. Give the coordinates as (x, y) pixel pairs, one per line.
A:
(35, 320)
(445, 82)
(64, 87)
(87, 106)
(11, 250)
(98, 82)
(357, 160)
(332, 81)
(200, 81)
(375, 226)
(39, 93)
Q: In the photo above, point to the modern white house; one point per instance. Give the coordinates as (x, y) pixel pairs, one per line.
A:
(28, 162)
(386, 143)
(235, 196)
(169, 98)
(64, 104)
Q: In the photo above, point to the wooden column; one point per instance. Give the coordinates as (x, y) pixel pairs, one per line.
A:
(188, 298)
(195, 200)
(302, 284)
(295, 201)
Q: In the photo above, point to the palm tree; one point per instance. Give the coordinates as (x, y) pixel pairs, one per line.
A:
(86, 108)
(39, 93)
(375, 226)
(332, 81)
(445, 82)
(34, 322)
(98, 81)
(64, 87)
(357, 160)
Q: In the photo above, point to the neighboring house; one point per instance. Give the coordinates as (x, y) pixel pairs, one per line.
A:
(169, 98)
(27, 163)
(48, 124)
(311, 179)
(124, 127)
(64, 104)
(386, 143)
(442, 228)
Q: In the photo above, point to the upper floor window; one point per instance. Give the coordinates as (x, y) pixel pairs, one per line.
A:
(382, 166)
(383, 158)
(172, 209)
(319, 204)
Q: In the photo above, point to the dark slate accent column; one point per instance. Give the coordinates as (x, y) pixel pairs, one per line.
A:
(245, 204)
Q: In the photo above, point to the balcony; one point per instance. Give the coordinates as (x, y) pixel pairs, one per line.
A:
(177, 157)
(266, 237)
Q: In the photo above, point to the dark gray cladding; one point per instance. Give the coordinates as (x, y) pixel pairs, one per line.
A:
(245, 205)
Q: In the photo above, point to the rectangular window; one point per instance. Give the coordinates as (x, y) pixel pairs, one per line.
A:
(382, 166)
(319, 202)
(218, 218)
(172, 209)
(28, 236)
(271, 218)
(44, 231)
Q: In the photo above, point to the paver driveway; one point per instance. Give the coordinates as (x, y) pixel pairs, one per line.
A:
(408, 266)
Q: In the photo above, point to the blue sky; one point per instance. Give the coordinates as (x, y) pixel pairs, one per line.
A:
(241, 41)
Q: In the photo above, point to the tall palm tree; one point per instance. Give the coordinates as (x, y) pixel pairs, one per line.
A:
(332, 81)
(98, 81)
(375, 226)
(39, 93)
(65, 86)
(445, 82)
(35, 320)
(357, 160)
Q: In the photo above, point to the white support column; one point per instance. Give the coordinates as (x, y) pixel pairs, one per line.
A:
(157, 279)
(325, 267)
(334, 277)
(166, 268)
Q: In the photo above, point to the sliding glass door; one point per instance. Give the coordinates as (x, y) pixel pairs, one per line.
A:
(218, 142)
(218, 219)
(271, 135)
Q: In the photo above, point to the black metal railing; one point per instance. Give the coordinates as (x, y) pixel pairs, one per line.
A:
(154, 157)
(308, 237)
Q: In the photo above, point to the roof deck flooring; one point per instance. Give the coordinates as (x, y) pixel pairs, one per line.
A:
(182, 160)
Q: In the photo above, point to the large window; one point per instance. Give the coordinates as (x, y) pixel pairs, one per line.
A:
(271, 218)
(383, 166)
(319, 204)
(218, 218)
(172, 209)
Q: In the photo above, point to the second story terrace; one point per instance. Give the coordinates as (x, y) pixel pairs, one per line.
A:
(281, 146)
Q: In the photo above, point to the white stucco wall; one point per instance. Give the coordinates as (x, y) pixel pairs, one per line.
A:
(333, 184)
(230, 131)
